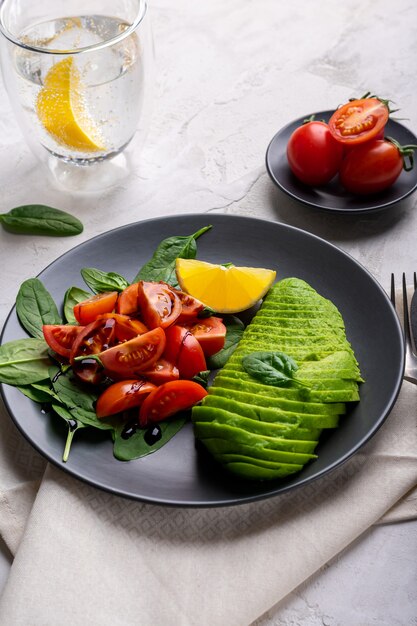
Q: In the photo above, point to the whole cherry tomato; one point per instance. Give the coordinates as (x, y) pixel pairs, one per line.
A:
(374, 166)
(314, 156)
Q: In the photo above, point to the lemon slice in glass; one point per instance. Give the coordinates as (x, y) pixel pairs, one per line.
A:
(224, 288)
(60, 109)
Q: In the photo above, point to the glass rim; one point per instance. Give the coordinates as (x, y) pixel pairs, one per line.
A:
(96, 46)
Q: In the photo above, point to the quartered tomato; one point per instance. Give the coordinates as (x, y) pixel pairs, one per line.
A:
(190, 307)
(169, 399)
(60, 338)
(159, 305)
(122, 396)
(184, 351)
(126, 327)
(127, 302)
(210, 334)
(161, 372)
(132, 357)
(87, 311)
(358, 121)
(93, 339)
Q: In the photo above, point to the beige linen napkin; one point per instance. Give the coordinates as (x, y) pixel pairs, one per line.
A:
(87, 557)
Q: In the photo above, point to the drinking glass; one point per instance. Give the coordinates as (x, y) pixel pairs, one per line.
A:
(79, 75)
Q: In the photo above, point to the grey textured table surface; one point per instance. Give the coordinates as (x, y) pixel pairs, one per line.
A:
(230, 73)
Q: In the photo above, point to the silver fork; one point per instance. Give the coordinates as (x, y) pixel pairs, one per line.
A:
(410, 371)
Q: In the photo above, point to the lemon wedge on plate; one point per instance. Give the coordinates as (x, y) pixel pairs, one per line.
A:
(60, 108)
(224, 288)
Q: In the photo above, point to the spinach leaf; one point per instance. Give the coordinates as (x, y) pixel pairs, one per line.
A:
(135, 446)
(161, 267)
(234, 332)
(24, 361)
(73, 426)
(202, 378)
(100, 281)
(79, 402)
(206, 312)
(37, 393)
(38, 219)
(271, 368)
(35, 307)
(73, 296)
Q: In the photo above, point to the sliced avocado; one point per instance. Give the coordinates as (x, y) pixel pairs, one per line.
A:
(262, 431)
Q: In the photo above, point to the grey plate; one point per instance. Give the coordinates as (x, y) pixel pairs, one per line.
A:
(332, 197)
(180, 473)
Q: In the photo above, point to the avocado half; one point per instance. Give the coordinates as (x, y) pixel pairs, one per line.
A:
(263, 432)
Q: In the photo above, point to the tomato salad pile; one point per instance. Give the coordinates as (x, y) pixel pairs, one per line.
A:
(352, 144)
(148, 340)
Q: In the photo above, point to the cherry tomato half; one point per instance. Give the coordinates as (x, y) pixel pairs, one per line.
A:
(210, 334)
(87, 311)
(161, 372)
(122, 396)
(60, 338)
(132, 357)
(169, 399)
(358, 121)
(314, 156)
(184, 351)
(371, 167)
(93, 339)
(159, 305)
(127, 302)
(126, 327)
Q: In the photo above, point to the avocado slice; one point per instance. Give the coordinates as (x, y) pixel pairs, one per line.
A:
(337, 408)
(249, 471)
(308, 425)
(318, 384)
(222, 450)
(337, 395)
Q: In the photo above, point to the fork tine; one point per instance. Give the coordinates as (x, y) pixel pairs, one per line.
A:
(393, 289)
(406, 317)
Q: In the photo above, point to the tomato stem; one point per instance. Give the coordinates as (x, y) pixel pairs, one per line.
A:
(384, 101)
(68, 442)
(407, 153)
(312, 118)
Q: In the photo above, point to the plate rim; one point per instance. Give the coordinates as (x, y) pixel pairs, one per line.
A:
(276, 489)
(306, 202)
